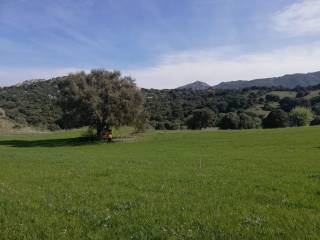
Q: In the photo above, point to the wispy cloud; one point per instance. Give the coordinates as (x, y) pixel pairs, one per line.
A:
(301, 18)
(226, 64)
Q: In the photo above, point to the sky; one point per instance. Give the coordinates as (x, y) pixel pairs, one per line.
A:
(160, 43)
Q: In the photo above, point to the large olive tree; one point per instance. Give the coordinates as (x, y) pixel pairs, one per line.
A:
(100, 99)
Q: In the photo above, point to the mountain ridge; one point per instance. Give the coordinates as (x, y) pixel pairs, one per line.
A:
(288, 81)
(195, 86)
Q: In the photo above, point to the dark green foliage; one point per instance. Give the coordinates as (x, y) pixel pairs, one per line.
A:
(201, 118)
(241, 120)
(177, 106)
(316, 108)
(287, 103)
(315, 121)
(229, 121)
(261, 100)
(315, 103)
(272, 98)
(276, 119)
(249, 121)
(301, 92)
(33, 103)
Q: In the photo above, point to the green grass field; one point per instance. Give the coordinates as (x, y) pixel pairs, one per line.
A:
(313, 94)
(260, 184)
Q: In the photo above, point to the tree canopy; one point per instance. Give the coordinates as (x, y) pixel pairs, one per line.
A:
(100, 99)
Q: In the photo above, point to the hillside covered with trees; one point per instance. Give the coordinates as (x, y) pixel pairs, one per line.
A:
(38, 103)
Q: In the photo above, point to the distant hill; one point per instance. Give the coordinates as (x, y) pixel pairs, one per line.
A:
(30, 82)
(287, 81)
(196, 86)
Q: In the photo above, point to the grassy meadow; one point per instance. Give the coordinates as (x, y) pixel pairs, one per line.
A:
(256, 184)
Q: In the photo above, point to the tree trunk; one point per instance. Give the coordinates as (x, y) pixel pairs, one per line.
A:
(100, 127)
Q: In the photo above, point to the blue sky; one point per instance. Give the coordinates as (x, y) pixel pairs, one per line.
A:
(161, 43)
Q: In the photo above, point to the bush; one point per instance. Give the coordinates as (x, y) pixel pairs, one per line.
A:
(171, 125)
(287, 104)
(166, 125)
(300, 116)
(229, 121)
(53, 127)
(201, 118)
(272, 98)
(315, 121)
(302, 93)
(276, 119)
(316, 108)
(248, 121)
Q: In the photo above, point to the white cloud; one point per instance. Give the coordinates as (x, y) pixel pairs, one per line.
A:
(301, 18)
(216, 65)
(210, 65)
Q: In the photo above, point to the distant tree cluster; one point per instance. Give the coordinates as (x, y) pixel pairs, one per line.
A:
(241, 120)
(232, 109)
(178, 109)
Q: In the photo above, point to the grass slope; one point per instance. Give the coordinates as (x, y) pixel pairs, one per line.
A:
(168, 185)
(9, 127)
(283, 94)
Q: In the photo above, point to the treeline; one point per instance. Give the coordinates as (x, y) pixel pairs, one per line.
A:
(256, 107)
(38, 104)
(33, 103)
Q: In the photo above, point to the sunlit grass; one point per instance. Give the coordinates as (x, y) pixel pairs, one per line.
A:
(256, 184)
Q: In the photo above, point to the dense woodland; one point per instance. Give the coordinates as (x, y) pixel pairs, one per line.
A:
(37, 103)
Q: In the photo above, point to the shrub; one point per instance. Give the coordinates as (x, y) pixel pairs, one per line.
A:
(316, 108)
(272, 98)
(229, 121)
(248, 121)
(171, 125)
(315, 121)
(300, 116)
(287, 104)
(166, 125)
(201, 118)
(53, 127)
(276, 119)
